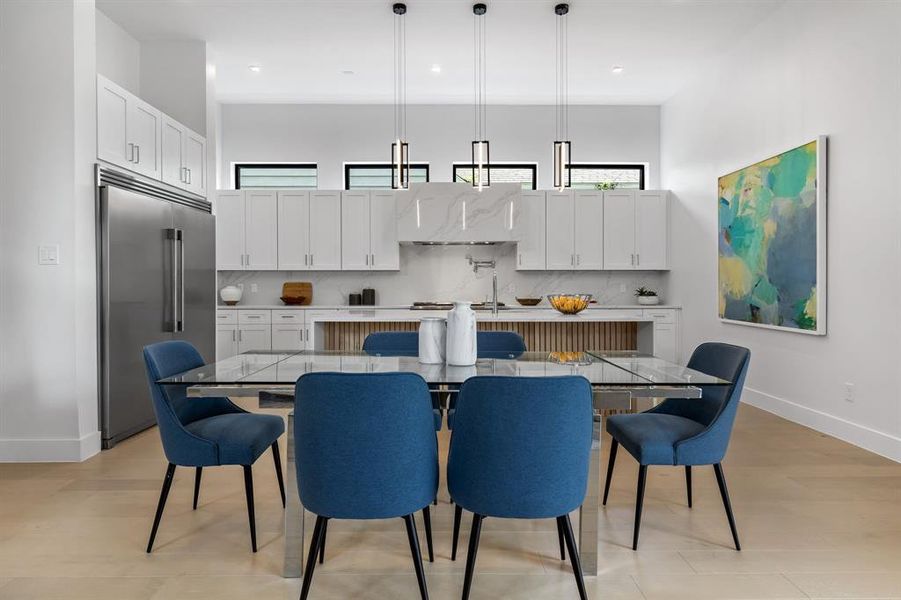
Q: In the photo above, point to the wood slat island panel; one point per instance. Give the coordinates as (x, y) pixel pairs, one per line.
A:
(541, 336)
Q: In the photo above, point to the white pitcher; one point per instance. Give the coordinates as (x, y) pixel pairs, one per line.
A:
(461, 335)
(432, 340)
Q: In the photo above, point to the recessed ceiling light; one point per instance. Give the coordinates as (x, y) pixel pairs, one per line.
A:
(255, 68)
(617, 69)
(347, 72)
(436, 68)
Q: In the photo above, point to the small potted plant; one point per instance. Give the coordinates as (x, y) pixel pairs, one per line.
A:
(646, 296)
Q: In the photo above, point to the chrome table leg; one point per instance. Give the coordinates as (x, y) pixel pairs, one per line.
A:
(294, 514)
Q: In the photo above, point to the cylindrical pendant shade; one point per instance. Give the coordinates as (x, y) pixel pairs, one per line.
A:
(481, 173)
(562, 161)
(400, 165)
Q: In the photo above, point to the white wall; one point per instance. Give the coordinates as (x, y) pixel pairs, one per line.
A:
(48, 327)
(438, 134)
(811, 68)
(118, 54)
(174, 80)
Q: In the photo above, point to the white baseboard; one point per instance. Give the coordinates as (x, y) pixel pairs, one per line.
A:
(50, 450)
(870, 439)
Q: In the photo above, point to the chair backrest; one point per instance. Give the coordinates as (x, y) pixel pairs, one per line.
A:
(174, 409)
(392, 343)
(499, 344)
(718, 405)
(365, 444)
(521, 446)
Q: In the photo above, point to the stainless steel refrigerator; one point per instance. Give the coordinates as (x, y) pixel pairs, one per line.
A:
(157, 282)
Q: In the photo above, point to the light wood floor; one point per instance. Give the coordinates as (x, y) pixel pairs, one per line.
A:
(818, 519)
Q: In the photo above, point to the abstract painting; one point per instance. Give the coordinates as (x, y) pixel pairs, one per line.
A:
(772, 246)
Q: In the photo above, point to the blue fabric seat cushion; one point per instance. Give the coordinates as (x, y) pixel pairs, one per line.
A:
(240, 438)
(651, 438)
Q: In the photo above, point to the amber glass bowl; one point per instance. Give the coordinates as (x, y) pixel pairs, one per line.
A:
(569, 304)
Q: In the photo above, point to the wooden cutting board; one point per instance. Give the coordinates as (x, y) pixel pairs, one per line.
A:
(293, 289)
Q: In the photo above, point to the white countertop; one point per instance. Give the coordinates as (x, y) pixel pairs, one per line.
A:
(513, 308)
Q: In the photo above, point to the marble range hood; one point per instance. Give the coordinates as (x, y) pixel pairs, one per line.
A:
(458, 214)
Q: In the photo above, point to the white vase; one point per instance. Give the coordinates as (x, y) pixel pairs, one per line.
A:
(432, 340)
(649, 300)
(461, 335)
(231, 294)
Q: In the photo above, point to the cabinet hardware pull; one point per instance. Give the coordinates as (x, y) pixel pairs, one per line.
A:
(372, 262)
(305, 259)
(190, 176)
(240, 335)
(138, 152)
(311, 260)
(234, 335)
(248, 260)
(367, 260)
(131, 152)
(638, 260)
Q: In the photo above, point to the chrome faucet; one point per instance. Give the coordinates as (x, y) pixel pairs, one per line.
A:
(484, 263)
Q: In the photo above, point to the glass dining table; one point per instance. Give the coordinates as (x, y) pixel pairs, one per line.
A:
(617, 379)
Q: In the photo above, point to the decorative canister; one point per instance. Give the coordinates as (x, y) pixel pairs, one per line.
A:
(231, 294)
(461, 335)
(432, 340)
(368, 297)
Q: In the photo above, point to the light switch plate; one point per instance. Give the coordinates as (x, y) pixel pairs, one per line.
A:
(48, 254)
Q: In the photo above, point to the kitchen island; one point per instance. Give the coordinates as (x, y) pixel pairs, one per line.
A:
(652, 330)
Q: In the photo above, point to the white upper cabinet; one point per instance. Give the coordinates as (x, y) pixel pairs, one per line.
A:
(293, 230)
(560, 211)
(589, 230)
(530, 230)
(619, 229)
(230, 230)
(246, 230)
(355, 254)
(636, 230)
(325, 231)
(261, 230)
(136, 136)
(369, 231)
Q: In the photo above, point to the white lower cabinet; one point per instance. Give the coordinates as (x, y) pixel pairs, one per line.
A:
(666, 332)
(239, 330)
(226, 341)
(288, 330)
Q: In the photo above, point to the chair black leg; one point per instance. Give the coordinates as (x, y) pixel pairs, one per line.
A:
(721, 480)
(560, 540)
(311, 557)
(197, 475)
(688, 483)
(322, 542)
(413, 537)
(248, 490)
(639, 501)
(566, 527)
(164, 493)
(458, 514)
(277, 458)
(427, 519)
(471, 556)
(613, 446)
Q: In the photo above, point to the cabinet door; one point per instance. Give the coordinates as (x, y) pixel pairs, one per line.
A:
(144, 129)
(226, 341)
(355, 231)
(112, 119)
(619, 230)
(560, 230)
(530, 231)
(383, 244)
(261, 230)
(665, 342)
(652, 230)
(287, 337)
(325, 231)
(254, 337)
(195, 163)
(172, 163)
(589, 230)
(230, 230)
(293, 231)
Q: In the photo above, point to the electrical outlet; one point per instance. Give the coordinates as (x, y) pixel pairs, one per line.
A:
(254, 288)
(849, 392)
(622, 287)
(241, 285)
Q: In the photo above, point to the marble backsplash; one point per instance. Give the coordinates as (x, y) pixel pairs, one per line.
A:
(443, 273)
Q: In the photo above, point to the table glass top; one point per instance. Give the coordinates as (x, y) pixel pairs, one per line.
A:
(600, 368)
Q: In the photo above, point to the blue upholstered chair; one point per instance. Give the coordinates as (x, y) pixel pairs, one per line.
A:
(365, 450)
(392, 343)
(205, 432)
(520, 449)
(686, 432)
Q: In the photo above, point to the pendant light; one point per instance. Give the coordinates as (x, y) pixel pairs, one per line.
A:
(562, 145)
(400, 149)
(481, 173)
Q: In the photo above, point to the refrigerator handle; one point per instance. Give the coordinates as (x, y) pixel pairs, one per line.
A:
(180, 238)
(172, 235)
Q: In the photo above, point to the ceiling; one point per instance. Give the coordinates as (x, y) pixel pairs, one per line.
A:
(305, 48)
